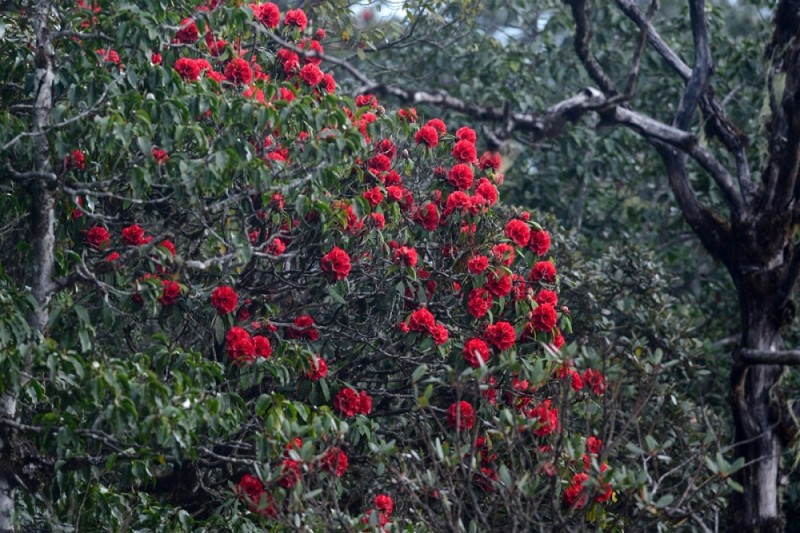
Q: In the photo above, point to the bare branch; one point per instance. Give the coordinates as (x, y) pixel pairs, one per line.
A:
(780, 357)
(583, 36)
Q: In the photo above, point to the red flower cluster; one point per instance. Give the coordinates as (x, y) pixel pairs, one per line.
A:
(405, 255)
(170, 292)
(98, 237)
(267, 14)
(334, 461)
(160, 156)
(296, 17)
(544, 318)
(476, 352)
(539, 242)
(188, 33)
(461, 176)
(595, 380)
(224, 299)
(500, 335)
(238, 71)
(546, 417)
(134, 236)
(518, 231)
(303, 328)
(422, 320)
(240, 346)
(428, 136)
(336, 264)
(252, 491)
(383, 507)
(349, 403)
(461, 416)
(75, 160)
(478, 302)
(317, 368)
(543, 272)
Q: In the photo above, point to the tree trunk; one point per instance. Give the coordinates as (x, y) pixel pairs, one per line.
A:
(756, 509)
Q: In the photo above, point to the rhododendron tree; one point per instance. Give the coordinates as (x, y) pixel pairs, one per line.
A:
(313, 301)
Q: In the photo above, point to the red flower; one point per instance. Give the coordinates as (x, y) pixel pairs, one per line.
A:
(159, 155)
(461, 416)
(543, 271)
(461, 176)
(546, 417)
(312, 46)
(466, 134)
(500, 335)
(155, 58)
(477, 264)
(347, 402)
(276, 247)
(238, 71)
(421, 320)
(498, 283)
(303, 328)
(596, 380)
(476, 352)
(366, 100)
(328, 83)
(546, 297)
(267, 14)
(374, 196)
(224, 299)
(75, 160)
(336, 264)
(170, 293)
(478, 302)
(239, 345)
(110, 258)
(427, 216)
(438, 125)
(504, 253)
(133, 235)
(539, 242)
(439, 334)
(408, 115)
(487, 189)
(263, 347)
(575, 495)
(379, 163)
(364, 403)
(318, 368)
(98, 237)
(427, 136)
(544, 318)
(290, 473)
(518, 231)
(405, 255)
(386, 147)
(594, 445)
(296, 17)
(311, 74)
(489, 160)
(334, 461)
(384, 503)
(464, 151)
(188, 33)
(188, 69)
(378, 219)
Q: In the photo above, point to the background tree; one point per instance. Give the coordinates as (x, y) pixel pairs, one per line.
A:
(710, 148)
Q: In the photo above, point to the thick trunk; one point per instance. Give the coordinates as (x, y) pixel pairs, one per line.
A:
(756, 509)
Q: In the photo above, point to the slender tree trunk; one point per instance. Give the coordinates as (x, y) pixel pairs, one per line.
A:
(758, 441)
(41, 188)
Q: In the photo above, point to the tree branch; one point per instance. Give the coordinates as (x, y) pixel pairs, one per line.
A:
(583, 36)
(780, 357)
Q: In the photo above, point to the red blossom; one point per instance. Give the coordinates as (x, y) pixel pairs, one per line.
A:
(407, 115)
(303, 328)
(267, 14)
(575, 495)
(461, 416)
(467, 134)
(427, 216)
(347, 402)
(336, 264)
(543, 272)
(438, 125)
(262, 345)
(546, 297)
(464, 151)
(334, 461)
(489, 160)
(461, 176)
(170, 293)
(160, 156)
(98, 237)
(224, 299)
(296, 17)
(518, 231)
(238, 71)
(539, 242)
(500, 335)
(311, 74)
(486, 189)
(290, 473)
(421, 320)
(427, 136)
(374, 196)
(546, 418)
(405, 255)
(317, 368)
(188, 33)
(477, 264)
(596, 381)
(478, 302)
(544, 318)
(498, 283)
(439, 334)
(133, 235)
(476, 352)
(239, 346)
